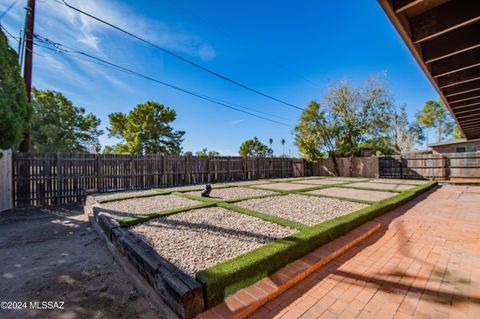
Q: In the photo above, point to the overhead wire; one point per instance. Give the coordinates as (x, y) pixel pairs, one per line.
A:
(14, 2)
(177, 56)
(72, 52)
(242, 44)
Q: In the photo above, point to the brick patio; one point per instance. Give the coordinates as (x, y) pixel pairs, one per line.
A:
(423, 263)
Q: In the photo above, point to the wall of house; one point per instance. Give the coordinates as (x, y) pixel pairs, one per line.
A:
(452, 148)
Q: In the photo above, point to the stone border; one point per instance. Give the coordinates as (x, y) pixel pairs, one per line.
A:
(175, 293)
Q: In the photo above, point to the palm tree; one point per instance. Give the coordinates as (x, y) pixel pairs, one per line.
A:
(283, 146)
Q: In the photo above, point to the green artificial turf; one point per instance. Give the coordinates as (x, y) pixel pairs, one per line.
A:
(372, 189)
(138, 219)
(269, 218)
(361, 201)
(227, 277)
(119, 198)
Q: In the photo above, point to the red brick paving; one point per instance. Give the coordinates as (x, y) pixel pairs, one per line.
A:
(424, 263)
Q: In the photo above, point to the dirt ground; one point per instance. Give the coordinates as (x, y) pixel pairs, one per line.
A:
(54, 255)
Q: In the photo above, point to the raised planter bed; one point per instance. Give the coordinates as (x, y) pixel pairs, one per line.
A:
(195, 256)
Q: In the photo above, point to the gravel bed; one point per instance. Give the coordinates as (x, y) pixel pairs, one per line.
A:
(201, 238)
(344, 178)
(147, 205)
(284, 186)
(243, 183)
(287, 179)
(388, 186)
(234, 193)
(321, 181)
(124, 194)
(202, 186)
(354, 193)
(308, 210)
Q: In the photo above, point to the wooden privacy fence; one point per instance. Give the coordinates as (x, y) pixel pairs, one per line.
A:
(5, 180)
(435, 166)
(355, 167)
(42, 179)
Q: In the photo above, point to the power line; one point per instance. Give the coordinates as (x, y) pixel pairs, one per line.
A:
(64, 49)
(178, 56)
(242, 44)
(8, 8)
(71, 52)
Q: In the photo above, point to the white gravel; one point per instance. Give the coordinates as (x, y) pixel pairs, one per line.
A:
(234, 193)
(285, 186)
(202, 186)
(307, 210)
(201, 238)
(399, 181)
(147, 205)
(387, 186)
(324, 181)
(124, 194)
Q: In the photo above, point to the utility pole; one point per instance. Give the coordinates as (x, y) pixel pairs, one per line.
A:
(27, 69)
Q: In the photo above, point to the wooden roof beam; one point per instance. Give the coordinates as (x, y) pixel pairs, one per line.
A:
(472, 109)
(459, 77)
(462, 88)
(472, 126)
(456, 63)
(464, 96)
(469, 116)
(402, 5)
(403, 27)
(470, 121)
(443, 19)
(452, 43)
(464, 104)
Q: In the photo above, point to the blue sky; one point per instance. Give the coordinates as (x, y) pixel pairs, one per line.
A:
(291, 50)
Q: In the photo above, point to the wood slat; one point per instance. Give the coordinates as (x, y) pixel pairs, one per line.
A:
(468, 75)
(456, 63)
(43, 179)
(444, 18)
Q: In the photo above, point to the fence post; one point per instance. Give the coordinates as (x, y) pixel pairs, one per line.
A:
(258, 168)
(97, 172)
(281, 165)
(185, 174)
(379, 169)
(401, 166)
(58, 177)
(444, 164)
(208, 170)
(229, 173)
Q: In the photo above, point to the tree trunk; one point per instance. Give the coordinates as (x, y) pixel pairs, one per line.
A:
(335, 164)
(351, 165)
